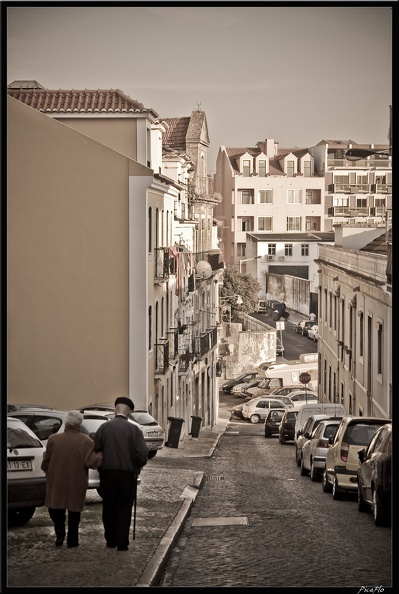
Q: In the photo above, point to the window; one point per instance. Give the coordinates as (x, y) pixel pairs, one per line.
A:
(290, 168)
(271, 249)
(379, 348)
(307, 168)
(245, 223)
(304, 249)
(246, 167)
(288, 249)
(294, 223)
(247, 197)
(264, 223)
(262, 168)
(150, 230)
(361, 202)
(361, 334)
(149, 327)
(265, 196)
(331, 311)
(293, 196)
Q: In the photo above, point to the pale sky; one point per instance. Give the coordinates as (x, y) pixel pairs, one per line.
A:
(296, 74)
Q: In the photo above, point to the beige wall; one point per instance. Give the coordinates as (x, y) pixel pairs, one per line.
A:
(118, 134)
(67, 264)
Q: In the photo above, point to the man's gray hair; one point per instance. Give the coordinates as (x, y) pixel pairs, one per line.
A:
(74, 419)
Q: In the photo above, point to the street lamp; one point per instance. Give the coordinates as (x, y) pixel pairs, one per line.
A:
(248, 259)
(356, 154)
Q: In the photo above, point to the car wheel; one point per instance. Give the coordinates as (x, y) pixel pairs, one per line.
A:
(19, 517)
(325, 485)
(281, 440)
(380, 518)
(152, 454)
(304, 471)
(267, 434)
(297, 457)
(314, 473)
(254, 418)
(362, 506)
(336, 492)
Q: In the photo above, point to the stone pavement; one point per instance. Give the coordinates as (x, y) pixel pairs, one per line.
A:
(169, 485)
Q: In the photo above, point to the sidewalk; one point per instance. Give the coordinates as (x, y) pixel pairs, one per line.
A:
(169, 485)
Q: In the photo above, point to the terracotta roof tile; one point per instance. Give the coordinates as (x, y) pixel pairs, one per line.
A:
(72, 100)
(379, 245)
(175, 133)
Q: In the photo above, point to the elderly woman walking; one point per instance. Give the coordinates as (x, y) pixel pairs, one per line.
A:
(66, 461)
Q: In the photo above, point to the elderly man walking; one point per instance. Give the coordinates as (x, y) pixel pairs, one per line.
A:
(124, 454)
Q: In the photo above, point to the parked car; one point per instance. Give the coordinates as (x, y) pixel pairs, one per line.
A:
(154, 435)
(14, 407)
(26, 482)
(342, 460)
(238, 389)
(273, 420)
(286, 431)
(313, 333)
(331, 409)
(44, 423)
(314, 450)
(303, 326)
(257, 409)
(374, 476)
(245, 386)
(237, 409)
(279, 347)
(285, 390)
(303, 395)
(304, 434)
(244, 377)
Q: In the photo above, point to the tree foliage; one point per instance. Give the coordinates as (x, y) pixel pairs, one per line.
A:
(245, 285)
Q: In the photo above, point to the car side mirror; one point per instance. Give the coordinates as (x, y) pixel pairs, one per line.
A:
(362, 454)
(306, 434)
(331, 439)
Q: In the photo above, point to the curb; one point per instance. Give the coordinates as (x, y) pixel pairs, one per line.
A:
(162, 553)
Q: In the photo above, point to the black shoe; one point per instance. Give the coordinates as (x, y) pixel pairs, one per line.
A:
(59, 542)
(72, 544)
(123, 548)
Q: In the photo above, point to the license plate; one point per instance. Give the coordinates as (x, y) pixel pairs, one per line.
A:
(152, 433)
(19, 465)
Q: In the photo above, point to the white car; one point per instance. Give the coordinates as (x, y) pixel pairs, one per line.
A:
(313, 333)
(26, 481)
(314, 451)
(256, 410)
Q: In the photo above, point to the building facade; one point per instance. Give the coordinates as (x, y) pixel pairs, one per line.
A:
(144, 212)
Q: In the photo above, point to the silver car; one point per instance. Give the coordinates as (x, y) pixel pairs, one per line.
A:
(314, 451)
(257, 409)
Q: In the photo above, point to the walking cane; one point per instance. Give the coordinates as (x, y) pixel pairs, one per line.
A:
(134, 511)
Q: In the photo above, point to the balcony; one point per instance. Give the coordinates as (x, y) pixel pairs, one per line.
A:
(162, 357)
(173, 343)
(205, 342)
(162, 264)
(381, 188)
(349, 188)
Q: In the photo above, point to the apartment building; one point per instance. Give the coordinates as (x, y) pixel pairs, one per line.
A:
(137, 288)
(355, 320)
(356, 191)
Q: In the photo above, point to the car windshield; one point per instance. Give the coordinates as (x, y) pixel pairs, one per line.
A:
(143, 418)
(361, 434)
(90, 426)
(18, 438)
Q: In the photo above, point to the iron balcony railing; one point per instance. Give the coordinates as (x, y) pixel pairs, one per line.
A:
(162, 357)
(162, 263)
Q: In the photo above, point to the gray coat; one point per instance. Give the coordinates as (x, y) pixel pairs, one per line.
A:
(66, 461)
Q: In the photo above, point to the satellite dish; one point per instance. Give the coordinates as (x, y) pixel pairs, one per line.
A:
(204, 269)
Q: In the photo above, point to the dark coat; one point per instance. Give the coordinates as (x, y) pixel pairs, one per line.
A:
(66, 461)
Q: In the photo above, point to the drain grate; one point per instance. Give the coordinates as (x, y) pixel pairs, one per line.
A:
(214, 477)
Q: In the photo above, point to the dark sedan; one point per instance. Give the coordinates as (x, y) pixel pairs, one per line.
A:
(286, 430)
(374, 476)
(273, 420)
(244, 377)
